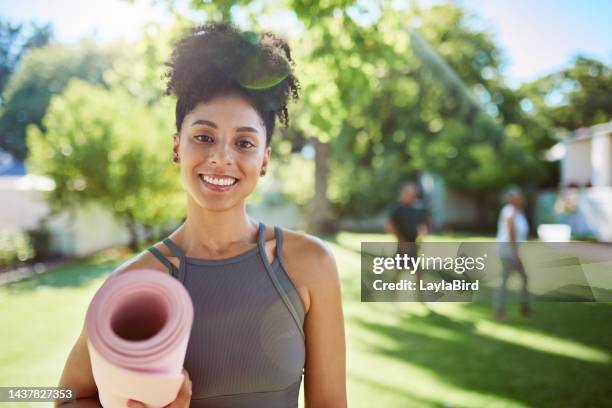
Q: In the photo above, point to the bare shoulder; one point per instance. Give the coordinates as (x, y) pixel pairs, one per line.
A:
(310, 257)
(146, 260)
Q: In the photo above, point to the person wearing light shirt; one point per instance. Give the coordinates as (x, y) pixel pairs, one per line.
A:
(512, 229)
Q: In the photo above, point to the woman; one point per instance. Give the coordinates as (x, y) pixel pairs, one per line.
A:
(267, 300)
(512, 229)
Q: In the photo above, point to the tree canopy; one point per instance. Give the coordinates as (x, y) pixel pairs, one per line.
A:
(42, 73)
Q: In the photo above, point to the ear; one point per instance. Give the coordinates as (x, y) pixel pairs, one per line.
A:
(176, 139)
(266, 157)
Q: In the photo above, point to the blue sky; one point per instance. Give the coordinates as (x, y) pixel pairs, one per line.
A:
(538, 36)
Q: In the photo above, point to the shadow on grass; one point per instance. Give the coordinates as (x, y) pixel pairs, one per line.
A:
(587, 323)
(477, 362)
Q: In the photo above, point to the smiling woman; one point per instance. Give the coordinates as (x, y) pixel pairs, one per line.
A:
(267, 301)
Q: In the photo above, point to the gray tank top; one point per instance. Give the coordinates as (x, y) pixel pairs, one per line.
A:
(246, 347)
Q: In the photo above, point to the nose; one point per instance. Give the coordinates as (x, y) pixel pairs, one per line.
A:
(221, 154)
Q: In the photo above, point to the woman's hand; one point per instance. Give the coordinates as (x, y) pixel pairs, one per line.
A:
(183, 398)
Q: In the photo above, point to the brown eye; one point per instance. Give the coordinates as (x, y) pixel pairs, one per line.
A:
(205, 138)
(245, 144)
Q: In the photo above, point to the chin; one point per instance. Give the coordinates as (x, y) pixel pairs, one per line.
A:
(216, 203)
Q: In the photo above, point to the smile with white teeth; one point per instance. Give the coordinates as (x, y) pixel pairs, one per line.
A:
(219, 181)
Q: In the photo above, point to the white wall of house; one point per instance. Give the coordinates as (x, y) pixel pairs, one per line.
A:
(576, 166)
(588, 157)
(86, 230)
(82, 232)
(595, 206)
(601, 159)
(21, 201)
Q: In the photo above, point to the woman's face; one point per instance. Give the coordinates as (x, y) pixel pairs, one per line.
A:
(222, 150)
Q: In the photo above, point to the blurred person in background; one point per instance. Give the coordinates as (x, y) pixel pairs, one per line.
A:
(512, 229)
(408, 223)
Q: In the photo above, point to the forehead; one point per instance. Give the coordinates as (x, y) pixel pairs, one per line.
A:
(226, 111)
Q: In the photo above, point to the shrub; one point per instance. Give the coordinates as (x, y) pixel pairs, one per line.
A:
(15, 247)
(40, 239)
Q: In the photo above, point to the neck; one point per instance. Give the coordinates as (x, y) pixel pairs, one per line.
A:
(206, 231)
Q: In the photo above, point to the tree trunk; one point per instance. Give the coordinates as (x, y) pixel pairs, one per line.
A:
(481, 211)
(130, 223)
(319, 216)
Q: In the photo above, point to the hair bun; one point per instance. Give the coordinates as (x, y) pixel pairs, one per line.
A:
(218, 58)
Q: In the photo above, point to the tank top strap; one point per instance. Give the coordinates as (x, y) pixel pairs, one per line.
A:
(174, 248)
(179, 254)
(261, 236)
(156, 252)
(278, 234)
(274, 278)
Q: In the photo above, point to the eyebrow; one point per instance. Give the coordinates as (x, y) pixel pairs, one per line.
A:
(214, 126)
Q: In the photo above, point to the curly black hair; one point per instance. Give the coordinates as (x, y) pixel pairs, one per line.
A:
(217, 58)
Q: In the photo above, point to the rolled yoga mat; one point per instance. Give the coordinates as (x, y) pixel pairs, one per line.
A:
(138, 326)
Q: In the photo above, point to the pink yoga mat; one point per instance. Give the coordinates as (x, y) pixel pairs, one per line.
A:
(138, 326)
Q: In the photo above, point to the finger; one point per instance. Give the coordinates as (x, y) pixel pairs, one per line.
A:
(187, 389)
(183, 398)
(186, 380)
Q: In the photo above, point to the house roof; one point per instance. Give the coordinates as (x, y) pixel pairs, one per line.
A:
(558, 151)
(586, 132)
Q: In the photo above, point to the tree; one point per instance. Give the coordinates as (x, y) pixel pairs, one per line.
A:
(42, 73)
(571, 98)
(394, 101)
(15, 42)
(107, 147)
(390, 91)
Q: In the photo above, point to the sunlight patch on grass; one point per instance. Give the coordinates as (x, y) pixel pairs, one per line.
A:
(542, 342)
(390, 382)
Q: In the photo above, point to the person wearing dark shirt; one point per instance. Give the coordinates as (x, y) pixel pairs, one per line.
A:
(408, 223)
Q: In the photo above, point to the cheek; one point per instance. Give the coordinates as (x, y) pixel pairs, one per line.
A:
(248, 161)
(191, 151)
(253, 163)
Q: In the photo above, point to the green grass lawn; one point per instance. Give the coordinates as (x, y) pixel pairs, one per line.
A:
(398, 354)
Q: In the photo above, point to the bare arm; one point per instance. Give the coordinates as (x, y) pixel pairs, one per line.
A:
(78, 377)
(512, 234)
(325, 368)
(77, 374)
(423, 230)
